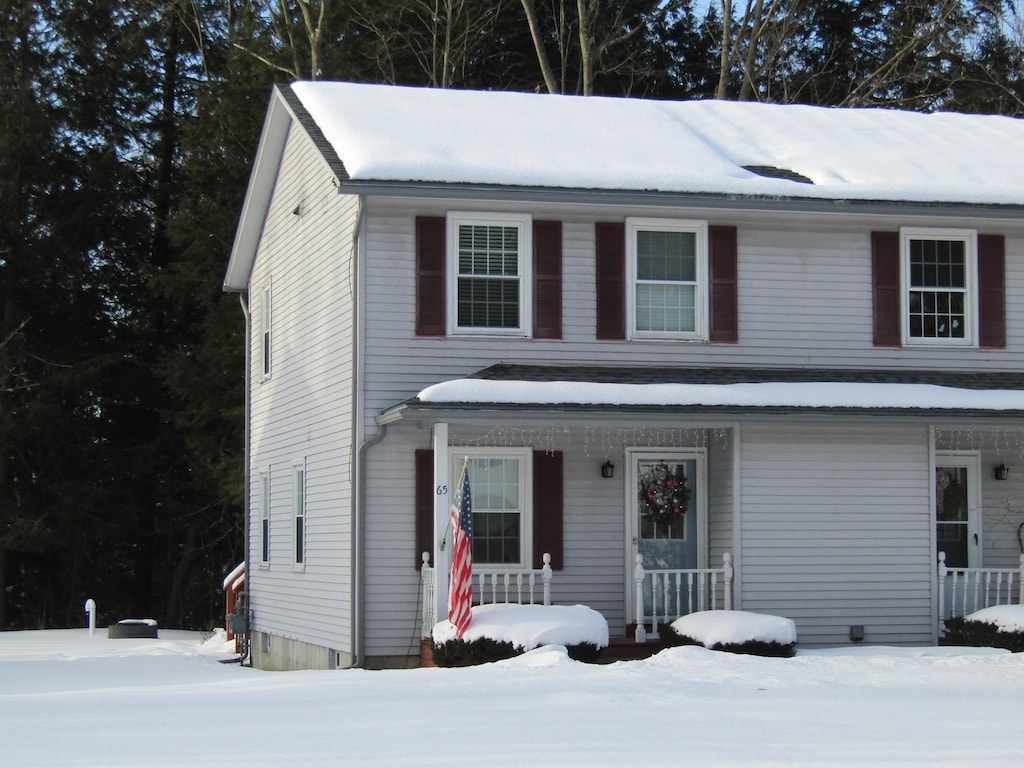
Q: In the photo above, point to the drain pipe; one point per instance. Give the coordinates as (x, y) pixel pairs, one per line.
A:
(359, 470)
(243, 300)
(358, 547)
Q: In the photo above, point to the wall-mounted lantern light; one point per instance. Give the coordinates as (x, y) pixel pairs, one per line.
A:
(607, 469)
(1001, 472)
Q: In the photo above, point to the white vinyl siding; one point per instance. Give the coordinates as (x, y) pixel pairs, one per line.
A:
(938, 270)
(837, 529)
(490, 267)
(306, 407)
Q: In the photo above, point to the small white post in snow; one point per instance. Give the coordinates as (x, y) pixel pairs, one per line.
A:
(90, 608)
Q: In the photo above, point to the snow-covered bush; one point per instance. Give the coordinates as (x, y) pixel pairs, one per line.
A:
(499, 632)
(734, 631)
(997, 627)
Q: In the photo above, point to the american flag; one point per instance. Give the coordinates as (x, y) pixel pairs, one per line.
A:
(460, 588)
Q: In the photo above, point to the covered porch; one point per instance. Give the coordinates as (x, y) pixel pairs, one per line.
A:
(818, 502)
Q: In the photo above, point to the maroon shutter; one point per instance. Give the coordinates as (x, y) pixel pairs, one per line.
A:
(430, 277)
(547, 508)
(610, 257)
(885, 288)
(724, 278)
(547, 279)
(424, 504)
(992, 290)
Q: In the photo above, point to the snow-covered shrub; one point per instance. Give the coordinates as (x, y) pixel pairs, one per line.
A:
(997, 627)
(757, 634)
(499, 632)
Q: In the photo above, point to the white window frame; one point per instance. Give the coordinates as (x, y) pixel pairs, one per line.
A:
(700, 231)
(266, 334)
(970, 239)
(524, 224)
(300, 482)
(263, 501)
(525, 458)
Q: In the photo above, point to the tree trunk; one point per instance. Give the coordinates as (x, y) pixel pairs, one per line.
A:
(538, 43)
(586, 48)
(725, 56)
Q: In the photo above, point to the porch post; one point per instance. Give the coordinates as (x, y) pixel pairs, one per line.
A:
(942, 594)
(1020, 582)
(442, 502)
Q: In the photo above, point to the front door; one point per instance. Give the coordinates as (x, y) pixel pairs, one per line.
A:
(667, 513)
(958, 526)
(957, 511)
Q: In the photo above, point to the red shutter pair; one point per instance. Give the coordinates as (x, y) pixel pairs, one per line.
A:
(547, 506)
(431, 280)
(885, 286)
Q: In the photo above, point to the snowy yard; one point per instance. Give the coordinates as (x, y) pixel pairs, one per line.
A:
(71, 699)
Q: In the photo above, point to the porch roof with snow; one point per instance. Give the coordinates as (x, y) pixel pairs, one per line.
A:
(390, 139)
(656, 391)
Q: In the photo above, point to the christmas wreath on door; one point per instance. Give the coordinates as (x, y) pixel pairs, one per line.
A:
(664, 496)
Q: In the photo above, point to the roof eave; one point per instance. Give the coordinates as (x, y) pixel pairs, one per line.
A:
(283, 109)
(257, 194)
(505, 192)
(418, 411)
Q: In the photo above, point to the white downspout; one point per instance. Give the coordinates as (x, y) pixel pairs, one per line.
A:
(362, 444)
(243, 300)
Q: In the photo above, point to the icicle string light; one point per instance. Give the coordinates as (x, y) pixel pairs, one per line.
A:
(602, 442)
(1002, 440)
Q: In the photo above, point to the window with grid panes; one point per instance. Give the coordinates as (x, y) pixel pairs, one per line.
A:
(938, 286)
(491, 268)
(667, 270)
(499, 487)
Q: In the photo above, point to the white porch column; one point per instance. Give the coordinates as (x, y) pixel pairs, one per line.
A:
(442, 503)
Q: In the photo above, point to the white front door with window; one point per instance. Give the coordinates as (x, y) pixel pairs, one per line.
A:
(957, 508)
(666, 504)
(958, 522)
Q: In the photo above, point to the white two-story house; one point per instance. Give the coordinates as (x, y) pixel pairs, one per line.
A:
(679, 334)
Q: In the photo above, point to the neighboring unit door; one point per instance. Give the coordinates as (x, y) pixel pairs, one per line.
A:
(667, 510)
(957, 509)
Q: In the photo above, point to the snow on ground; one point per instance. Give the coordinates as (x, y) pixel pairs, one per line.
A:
(70, 699)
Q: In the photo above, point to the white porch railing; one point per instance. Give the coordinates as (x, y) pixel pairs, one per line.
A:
(965, 590)
(519, 586)
(664, 595)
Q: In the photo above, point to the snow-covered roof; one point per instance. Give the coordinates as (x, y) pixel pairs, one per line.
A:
(404, 134)
(710, 390)
(440, 140)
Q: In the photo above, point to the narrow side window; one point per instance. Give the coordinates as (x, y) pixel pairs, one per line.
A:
(299, 509)
(265, 330)
(264, 507)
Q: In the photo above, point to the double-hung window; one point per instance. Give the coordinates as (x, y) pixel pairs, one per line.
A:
(667, 275)
(489, 261)
(938, 274)
(500, 487)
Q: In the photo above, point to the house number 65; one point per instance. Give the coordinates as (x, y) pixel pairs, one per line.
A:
(442, 490)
